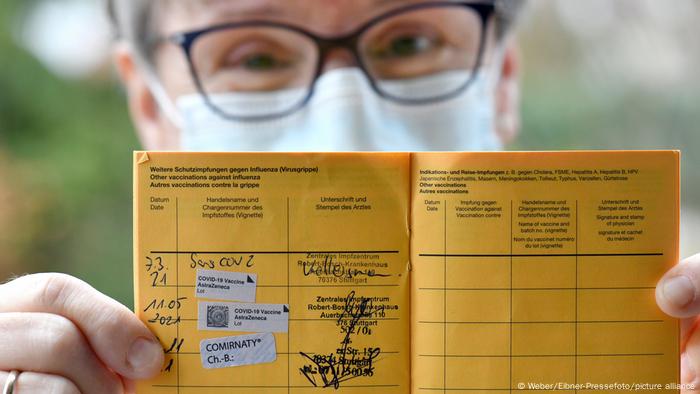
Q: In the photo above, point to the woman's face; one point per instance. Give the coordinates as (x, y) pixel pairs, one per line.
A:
(325, 18)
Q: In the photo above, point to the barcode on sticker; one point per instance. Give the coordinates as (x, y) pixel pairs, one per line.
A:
(222, 285)
(232, 316)
(238, 350)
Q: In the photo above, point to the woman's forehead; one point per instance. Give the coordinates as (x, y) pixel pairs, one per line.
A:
(325, 16)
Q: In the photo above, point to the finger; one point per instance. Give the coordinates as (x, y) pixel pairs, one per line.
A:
(688, 375)
(690, 361)
(118, 337)
(35, 383)
(52, 344)
(677, 293)
(688, 326)
(129, 386)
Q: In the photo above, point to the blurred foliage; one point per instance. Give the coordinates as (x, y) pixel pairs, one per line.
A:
(68, 146)
(583, 93)
(65, 147)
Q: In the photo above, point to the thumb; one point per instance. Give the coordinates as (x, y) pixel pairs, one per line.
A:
(678, 292)
(690, 361)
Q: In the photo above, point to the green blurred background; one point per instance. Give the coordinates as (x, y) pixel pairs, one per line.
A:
(599, 74)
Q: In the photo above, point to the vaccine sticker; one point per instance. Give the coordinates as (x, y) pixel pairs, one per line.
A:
(231, 316)
(222, 285)
(238, 350)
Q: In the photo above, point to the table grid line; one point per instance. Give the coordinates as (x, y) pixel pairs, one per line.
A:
(510, 326)
(328, 319)
(292, 286)
(541, 321)
(289, 302)
(574, 355)
(272, 387)
(444, 352)
(275, 252)
(512, 389)
(506, 255)
(576, 306)
(534, 288)
(177, 289)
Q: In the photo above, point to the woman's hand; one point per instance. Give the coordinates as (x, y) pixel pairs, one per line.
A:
(678, 294)
(66, 337)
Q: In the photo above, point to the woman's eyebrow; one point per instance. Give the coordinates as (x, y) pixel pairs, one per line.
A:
(245, 8)
(387, 2)
(382, 3)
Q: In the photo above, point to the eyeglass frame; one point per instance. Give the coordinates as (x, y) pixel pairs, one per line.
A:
(186, 41)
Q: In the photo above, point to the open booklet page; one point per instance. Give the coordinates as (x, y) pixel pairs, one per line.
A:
(293, 272)
(274, 273)
(537, 271)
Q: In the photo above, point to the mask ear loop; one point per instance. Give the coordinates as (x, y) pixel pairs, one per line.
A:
(492, 74)
(502, 43)
(153, 83)
(495, 73)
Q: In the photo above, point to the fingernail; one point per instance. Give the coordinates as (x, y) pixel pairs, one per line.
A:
(688, 374)
(679, 290)
(143, 353)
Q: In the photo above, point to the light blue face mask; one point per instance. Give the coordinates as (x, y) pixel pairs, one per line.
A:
(345, 114)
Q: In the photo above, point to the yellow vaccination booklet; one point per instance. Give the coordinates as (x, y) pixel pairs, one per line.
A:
(407, 272)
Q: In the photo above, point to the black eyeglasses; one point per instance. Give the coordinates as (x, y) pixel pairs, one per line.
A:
(417, 54)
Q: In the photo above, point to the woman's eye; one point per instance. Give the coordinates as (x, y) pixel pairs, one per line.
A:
(409, 46)
(256, 56)
(404, 46)
(263, 62)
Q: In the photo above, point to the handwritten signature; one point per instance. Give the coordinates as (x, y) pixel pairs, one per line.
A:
(329, 267)
(348, 362)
